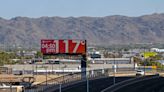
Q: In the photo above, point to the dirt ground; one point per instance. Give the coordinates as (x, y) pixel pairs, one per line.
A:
(42, 78)
(17, 78)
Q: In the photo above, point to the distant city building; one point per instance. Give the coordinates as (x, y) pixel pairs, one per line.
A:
(128, 55)
(157, 50)
(95, 54)
(26, 53)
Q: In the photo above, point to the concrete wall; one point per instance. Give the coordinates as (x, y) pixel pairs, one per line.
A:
(65, 66)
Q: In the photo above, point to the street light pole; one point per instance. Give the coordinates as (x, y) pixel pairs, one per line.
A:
(46, 75)
(11, 87)
(87, 84)
(114, 71)
(144, 61)
(60, 87)
(52, 68)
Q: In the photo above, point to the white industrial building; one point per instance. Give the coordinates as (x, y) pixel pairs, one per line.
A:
(113, 60)
(157, 50)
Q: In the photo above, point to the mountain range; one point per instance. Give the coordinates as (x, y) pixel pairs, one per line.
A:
(98, 31)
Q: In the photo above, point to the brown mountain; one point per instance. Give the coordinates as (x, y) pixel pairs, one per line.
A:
(103, 31)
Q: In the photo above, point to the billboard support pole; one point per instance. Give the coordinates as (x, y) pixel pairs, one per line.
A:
(83, 67)
(84, 63)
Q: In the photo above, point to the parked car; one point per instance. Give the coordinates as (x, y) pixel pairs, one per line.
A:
(140, 73)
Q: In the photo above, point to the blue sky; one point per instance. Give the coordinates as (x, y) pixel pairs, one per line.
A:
(76, 8)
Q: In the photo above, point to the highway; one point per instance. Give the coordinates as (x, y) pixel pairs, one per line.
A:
(94, 85)
(153, 85)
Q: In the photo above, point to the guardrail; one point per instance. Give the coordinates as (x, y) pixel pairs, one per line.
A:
(122, 84)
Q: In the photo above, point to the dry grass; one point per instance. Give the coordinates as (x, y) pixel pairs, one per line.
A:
(42, 78)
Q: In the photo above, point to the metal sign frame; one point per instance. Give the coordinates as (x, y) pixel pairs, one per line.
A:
(83, 59)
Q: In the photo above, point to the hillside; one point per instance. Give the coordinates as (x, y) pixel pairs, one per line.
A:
(101, 31)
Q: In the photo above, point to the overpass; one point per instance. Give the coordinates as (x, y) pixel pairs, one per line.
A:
(70, 80)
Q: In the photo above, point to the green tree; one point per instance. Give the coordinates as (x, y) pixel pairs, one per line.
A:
(5, 58)
(39, 54)
(137, 60)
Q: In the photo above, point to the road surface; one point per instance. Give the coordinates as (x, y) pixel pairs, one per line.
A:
(153, 85)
